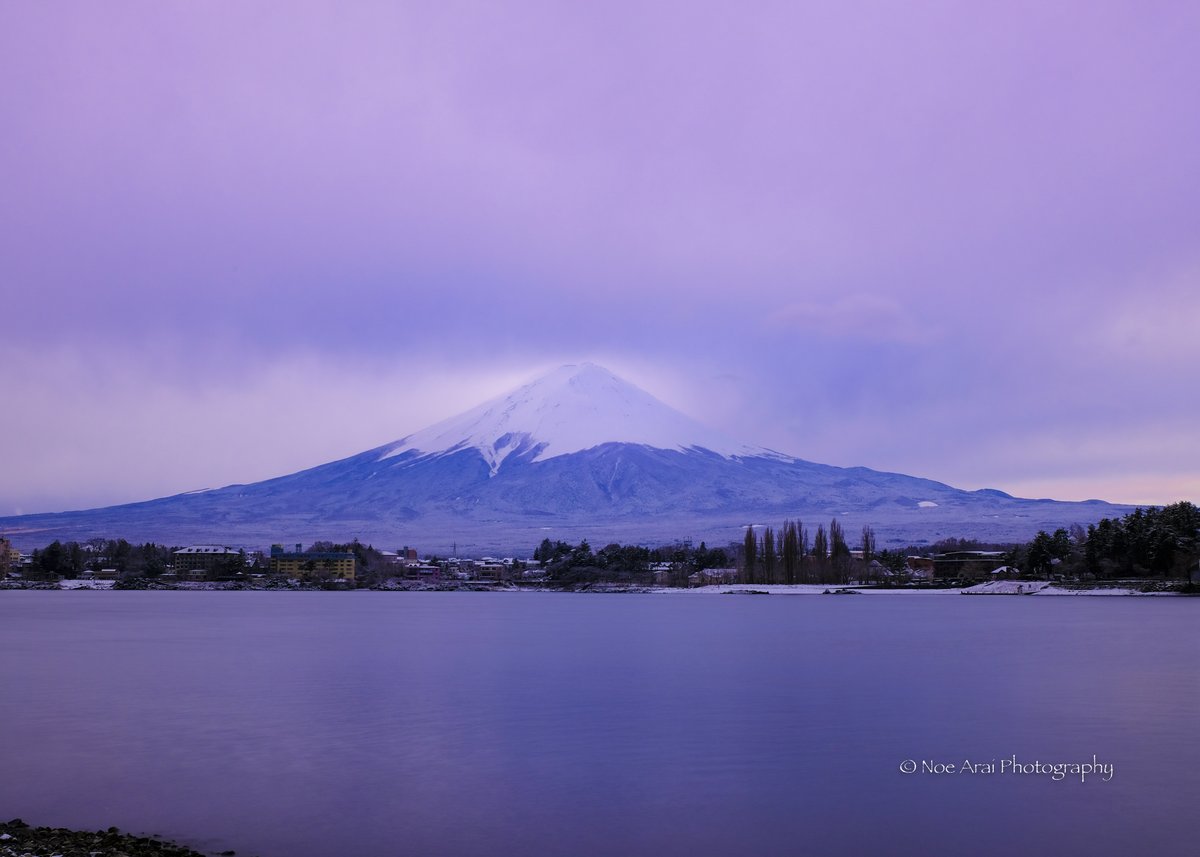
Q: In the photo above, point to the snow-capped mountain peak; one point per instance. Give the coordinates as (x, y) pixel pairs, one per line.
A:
(613, 464)
(572, 408)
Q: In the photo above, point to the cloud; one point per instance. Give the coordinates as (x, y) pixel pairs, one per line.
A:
(1154, 319)
(859, 316)
(104, 428)
(888, 239)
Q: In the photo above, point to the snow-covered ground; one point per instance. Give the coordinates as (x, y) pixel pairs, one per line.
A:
(793, 589)
(1009, 587)
(85, 584)
(995, 587)
(1042, 587)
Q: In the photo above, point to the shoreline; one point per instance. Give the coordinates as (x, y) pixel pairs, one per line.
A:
(1044, 588)
(998, 587)
(18, 839)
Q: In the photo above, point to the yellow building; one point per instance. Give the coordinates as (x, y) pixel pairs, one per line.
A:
(312, 566)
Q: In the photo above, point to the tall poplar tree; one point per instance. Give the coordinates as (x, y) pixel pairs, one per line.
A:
(820, 553)
(749, 556)
(790, 553)
(768, 553)
(802, 535)
(868, 544)
(839, 551)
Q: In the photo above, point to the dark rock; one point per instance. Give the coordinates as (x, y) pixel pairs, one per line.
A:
(85, 843)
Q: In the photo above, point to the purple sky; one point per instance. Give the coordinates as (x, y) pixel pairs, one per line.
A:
(957, 240)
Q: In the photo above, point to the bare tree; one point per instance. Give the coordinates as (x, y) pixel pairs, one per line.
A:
(749, 556)
(791, 553)
(768, 553)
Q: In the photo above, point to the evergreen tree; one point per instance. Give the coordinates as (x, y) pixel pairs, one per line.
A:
(1091, 552)
(50, 562)
(74, 560)
(1039, 554)
(1060, 544)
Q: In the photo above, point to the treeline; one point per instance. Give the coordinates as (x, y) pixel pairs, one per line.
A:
(786, 556)
(1153, 542)
(1163, 542)
(616, 563)
(766, 555)
(71, 559)
(372, 567)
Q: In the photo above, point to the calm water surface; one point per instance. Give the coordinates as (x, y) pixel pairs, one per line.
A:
(374, 724)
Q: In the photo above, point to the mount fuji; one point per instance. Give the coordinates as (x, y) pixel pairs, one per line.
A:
(577, 453)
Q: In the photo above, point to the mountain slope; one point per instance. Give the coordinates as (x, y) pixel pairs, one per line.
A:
(577, 453)
(568, 410)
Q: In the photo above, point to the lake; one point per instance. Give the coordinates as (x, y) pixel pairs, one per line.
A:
(297, 724)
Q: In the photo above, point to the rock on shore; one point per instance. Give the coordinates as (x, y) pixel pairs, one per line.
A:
(18, 839)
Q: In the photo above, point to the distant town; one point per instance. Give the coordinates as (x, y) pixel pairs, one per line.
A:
(1152, 546)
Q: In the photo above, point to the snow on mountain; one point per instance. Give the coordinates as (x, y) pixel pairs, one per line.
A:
(578, 453)
(571, 409)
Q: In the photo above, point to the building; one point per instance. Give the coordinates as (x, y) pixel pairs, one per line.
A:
(422, 571)
(208, 562)
(709, 576)
(489, 570)
(11, 560)
(920, 567)
(400, 557)
(316, 565)
(961, 565)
